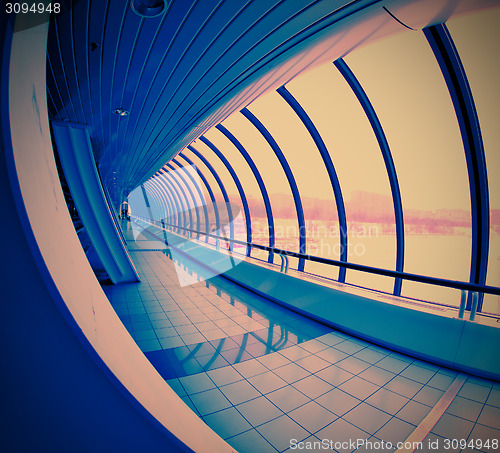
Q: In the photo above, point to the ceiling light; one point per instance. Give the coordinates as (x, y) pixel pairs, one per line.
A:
(121, 112)
(147, 8)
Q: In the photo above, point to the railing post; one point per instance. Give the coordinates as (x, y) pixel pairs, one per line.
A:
(282, 268)
(217, 244)
(463, 301)
(474, 306)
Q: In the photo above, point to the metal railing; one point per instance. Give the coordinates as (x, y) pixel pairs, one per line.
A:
(454, 284)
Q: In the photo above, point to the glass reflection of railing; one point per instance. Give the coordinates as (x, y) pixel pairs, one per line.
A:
(474, 289)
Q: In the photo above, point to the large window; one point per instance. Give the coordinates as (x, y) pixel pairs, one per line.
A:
(346, 131)
(476, 37)
(404, 83)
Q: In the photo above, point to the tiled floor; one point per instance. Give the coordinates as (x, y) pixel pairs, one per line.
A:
(266, 379)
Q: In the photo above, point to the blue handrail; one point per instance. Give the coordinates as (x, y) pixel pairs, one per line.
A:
(455, 284)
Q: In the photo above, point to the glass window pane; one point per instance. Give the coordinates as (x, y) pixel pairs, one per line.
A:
(219, 199)
(476, 37)
(260, 233)
(342, 123)
(312, 181)
(275, 180)
(404, 83)
(232, 192)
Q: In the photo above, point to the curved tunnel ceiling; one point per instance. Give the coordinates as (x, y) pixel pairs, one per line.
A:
(147, 87)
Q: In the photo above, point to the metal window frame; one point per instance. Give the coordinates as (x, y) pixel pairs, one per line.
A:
(378, 130)
(186, 212)
(178, 174)
(449, 61)
(222, 188)
(209, 189)
(289, 176)
(199, 192)
(330, 168)
(230, 169)
(260, 182)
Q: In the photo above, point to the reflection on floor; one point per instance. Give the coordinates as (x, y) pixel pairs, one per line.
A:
(265, 378)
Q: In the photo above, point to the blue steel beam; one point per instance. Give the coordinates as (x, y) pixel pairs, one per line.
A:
(200, 195)
(209, 189)
(180, 194)
(330, 168)
(167, 197)
(152, 200)
(178, 207)
(180, 186)
(169, 203)
(248, 220)
(222, 189)
(178, 174)
(289, 176)
(389, 164)
(171, 186)
(160, 194)
(453, 72)
(260, 182)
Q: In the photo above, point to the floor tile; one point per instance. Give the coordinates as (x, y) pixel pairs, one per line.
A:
(342, 431)
(392, 364)
(395, 431)
(280, 431)
(250, 368)
(291, 372)
(312, 386)
(377, 375)
(210, 401)
(267, 382)
(148, 345)
(387, 401)
(484, 433)
(287, 398)
(312, 416)
(251, 441)
(453, 427)
(334, 375)
(227, 423)
(196, 383)
(313, 346)
(413, 412)
(418, 373)
(332, 339)
(441, 381)
(367, 418)
(332, 355)
(428, 395)
(494, 398)
(474, 392)
(295, 353)
(404, 386)
(338, 401)
(465, 408)
(369, 355)
(353, 365)
(224, 375)
(490, 416)
(358, 387)
(349, 347)
(239, 392)
(258, 411)
(274, 360)
(312, 363)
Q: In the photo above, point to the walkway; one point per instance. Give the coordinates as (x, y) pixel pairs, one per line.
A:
(265, 378)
